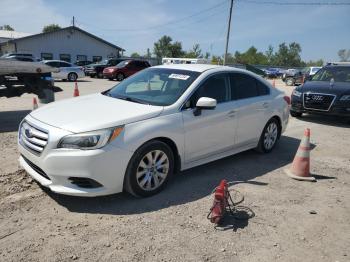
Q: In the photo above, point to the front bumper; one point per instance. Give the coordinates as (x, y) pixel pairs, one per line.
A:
(106, 166)
(90, 72)
(338, 108)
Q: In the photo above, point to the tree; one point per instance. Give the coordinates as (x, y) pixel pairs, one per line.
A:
(51, 28)
(251, 56)
(319, 62)
(196, 52)
(344, 55)
(288, 55)
(216, 60)
(270, 56)
(135, 55)
(7, 28)
(165, 48)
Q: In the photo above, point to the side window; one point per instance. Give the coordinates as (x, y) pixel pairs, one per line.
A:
(263, 89)
(243, 86)
(216, 87)
(62, 64)
(53, 64)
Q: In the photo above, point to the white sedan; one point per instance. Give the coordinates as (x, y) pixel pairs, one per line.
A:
(67, 71)
(135, 136)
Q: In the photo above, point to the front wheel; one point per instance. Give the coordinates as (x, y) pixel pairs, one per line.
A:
(149, 169)
(289, 82)
(269, 136)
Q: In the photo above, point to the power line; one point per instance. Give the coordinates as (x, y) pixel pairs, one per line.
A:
(295, 3)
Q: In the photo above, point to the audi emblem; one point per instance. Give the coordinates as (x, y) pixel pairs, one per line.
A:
(317, 98)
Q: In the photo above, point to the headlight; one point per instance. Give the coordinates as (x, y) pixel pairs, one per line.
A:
(90, 140)
(297, 93)
(345, 98)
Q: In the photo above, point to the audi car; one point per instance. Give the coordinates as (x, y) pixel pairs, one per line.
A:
(161, 120)
(327, 92)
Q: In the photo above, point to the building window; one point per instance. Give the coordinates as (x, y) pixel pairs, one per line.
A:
(46, 56)
(81, 57)
(96, 58)
(65, 57)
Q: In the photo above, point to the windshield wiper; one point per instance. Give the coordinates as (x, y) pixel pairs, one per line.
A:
(132, 99)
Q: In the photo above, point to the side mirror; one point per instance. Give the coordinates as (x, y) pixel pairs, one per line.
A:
(204, 103)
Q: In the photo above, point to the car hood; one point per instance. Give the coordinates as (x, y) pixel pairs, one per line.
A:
(325, 87)
(93, 112)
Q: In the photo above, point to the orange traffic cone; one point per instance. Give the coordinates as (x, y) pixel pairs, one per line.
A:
(76, 90)
(274, 83)
(300, 168)
(35, 103)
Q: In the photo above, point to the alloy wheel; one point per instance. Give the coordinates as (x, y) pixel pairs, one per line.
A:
(152, 170)
(270, 135)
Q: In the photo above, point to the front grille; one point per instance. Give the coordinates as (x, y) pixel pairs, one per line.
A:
(33, 138)
(36, 168)
(317, 101)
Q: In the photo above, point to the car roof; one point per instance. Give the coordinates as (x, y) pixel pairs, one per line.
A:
(55, 61)
(190, 67)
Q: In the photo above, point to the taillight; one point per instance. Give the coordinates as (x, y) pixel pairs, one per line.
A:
(287, 99)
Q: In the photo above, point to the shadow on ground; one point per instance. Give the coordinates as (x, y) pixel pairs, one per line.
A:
(190, 185)
(326, 120)
(10, 120)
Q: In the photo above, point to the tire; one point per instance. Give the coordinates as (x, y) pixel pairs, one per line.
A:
(92, 76)
(72, 77)
(110, 79)
(99, 75)
(269, 136)
(295, 114)
(120, 77)
(290, 82)
(141, 176)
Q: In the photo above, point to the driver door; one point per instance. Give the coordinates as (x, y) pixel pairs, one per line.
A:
(213, 131)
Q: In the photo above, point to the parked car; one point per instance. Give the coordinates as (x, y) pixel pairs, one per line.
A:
(22, 58)
(83, 63)
(293, 77)
(273, 72)
(124, 69)
(67, 71)
(136, 135)
(96, 70)
(327, 92)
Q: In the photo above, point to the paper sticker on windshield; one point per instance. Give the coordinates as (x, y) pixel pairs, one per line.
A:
(178, 76)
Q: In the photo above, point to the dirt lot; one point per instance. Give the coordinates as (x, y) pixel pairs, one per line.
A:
(36, 225)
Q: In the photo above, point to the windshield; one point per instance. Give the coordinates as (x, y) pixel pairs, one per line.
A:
(338, 73)
(154, 86)
(122, 64)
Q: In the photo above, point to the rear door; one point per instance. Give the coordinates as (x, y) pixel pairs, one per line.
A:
(212, 131)
(253, 99)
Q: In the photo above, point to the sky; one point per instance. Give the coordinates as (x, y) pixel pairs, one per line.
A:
(136, 24)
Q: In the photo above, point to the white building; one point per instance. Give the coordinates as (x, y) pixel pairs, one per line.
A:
(70, 44)
(10, 35)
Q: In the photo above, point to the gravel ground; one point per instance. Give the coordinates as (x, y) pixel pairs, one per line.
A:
(293, 220)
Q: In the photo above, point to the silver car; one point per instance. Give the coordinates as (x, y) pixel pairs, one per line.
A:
(67, 71)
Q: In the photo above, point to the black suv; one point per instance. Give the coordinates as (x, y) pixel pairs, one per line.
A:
(93, 70)
(327, 92)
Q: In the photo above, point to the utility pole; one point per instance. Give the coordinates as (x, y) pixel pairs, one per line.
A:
(73, 21)
(228, 33)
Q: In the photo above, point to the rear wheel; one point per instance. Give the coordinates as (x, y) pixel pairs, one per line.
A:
(295, 114)
(149, 169)
(72, 77)
(269, 136)
(120, 77)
